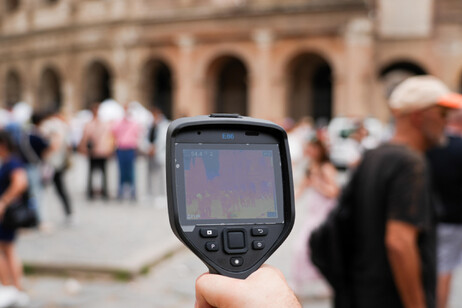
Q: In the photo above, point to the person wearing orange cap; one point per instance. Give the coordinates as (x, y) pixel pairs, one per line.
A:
(393, 262)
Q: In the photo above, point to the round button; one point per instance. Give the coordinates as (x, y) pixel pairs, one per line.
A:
(211, 246)
(258, 245)
(237, 261)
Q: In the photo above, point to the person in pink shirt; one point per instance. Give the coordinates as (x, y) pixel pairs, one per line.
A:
(126, 134)
(97, 143)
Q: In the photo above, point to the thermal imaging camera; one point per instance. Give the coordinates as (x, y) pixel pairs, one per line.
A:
(230, 191)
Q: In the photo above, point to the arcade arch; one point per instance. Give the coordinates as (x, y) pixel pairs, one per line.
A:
(309, 87)
(49, 92)
(393, 74)
(460, 84)
(12, 5)
(13, 88)
(156, 86)
(97, 83)
(227, 80)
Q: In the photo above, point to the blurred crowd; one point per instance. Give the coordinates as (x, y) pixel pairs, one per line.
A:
(40, 146)
(36, 150)
(323, 155)
(408, 198)
(381, 208)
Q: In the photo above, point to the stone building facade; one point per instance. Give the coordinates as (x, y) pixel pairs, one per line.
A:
(264, 58)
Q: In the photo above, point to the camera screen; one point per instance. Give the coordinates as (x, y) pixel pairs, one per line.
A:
(229, 183)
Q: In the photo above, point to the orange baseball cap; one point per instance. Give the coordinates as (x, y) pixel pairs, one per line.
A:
(451, 100)
(420, 92)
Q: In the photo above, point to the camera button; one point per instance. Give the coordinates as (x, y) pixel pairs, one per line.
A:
(237, 261)
(236, 240)
(258, 245)
(207, 233)
(211, 246)
(259, 231)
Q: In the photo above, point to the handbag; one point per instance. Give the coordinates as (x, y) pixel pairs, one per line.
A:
(21, 214)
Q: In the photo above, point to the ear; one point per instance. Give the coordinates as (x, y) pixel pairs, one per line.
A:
(416, 118)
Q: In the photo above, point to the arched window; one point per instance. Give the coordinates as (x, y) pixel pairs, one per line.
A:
(13, 88)
(49, 96)
(394, 73)
(310, 87)
(460, 84)
(98, 83)
(229, 88)
(156, 86)
(12, 5)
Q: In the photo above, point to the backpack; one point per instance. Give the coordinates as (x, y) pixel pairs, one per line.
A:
(331, 245)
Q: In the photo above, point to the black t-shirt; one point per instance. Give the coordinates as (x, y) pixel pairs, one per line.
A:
(33, 147)
(38, 144)
(446, 170)
(392, 184)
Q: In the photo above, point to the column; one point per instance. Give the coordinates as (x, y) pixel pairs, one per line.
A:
(30, 79)
(2, 85)
(358, 72)
(120, 85)
(261, 103)
(71, 96)
(185, 103)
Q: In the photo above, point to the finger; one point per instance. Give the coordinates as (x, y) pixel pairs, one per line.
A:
(270, 270)
(201, 303)
(215, 290)
(200, 300)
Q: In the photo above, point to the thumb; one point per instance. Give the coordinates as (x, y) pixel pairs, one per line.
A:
(215, 290)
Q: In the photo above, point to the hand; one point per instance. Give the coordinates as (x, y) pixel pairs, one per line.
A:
(308, 181)
(3, 207)
(151, 151)
(266, 287)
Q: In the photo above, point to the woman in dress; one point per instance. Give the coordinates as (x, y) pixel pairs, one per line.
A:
(317, 194)
(13, 184)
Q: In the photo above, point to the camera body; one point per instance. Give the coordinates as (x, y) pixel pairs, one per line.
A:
(229, 189)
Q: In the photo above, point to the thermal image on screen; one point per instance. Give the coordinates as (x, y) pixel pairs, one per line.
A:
(229, 184)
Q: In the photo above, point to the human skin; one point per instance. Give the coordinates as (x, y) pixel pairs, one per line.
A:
(403, 255)
(266, 287)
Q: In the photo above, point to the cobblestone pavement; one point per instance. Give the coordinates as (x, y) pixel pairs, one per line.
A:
(119, 237)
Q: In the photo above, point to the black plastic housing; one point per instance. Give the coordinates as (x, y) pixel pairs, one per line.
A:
(245, 130)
